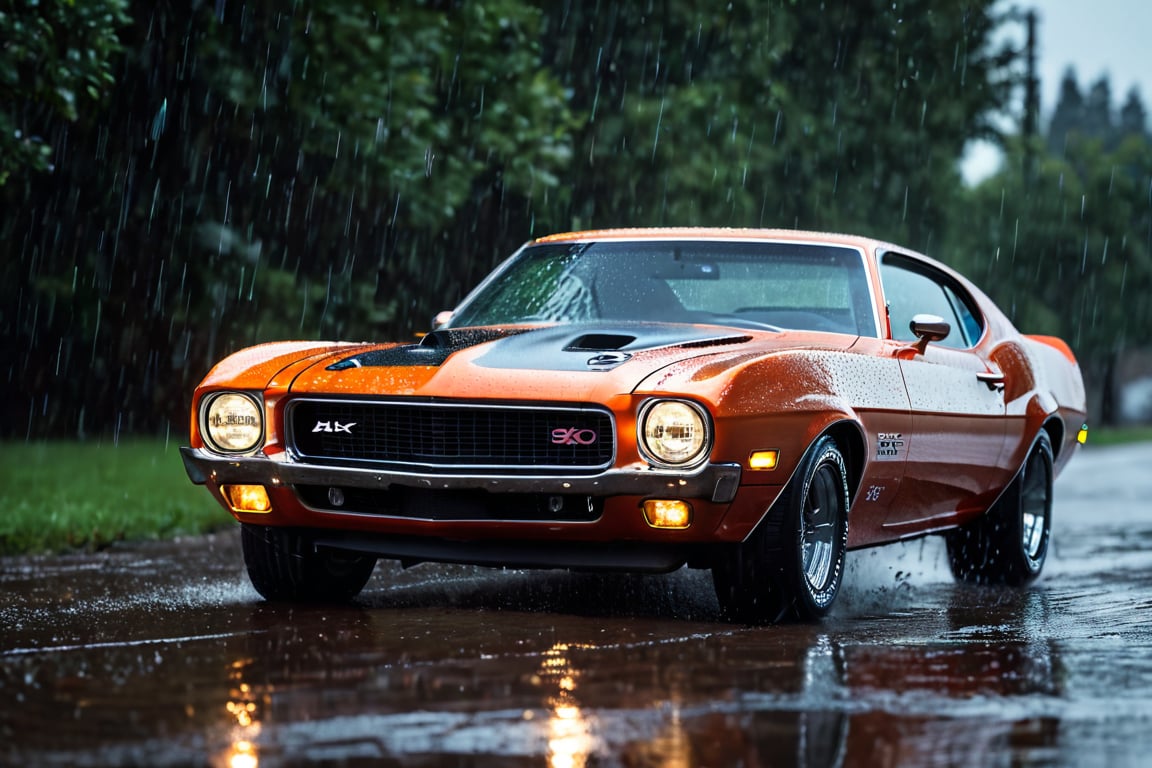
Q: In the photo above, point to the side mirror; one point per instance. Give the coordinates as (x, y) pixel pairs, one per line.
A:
(441, 318)
(929, 328)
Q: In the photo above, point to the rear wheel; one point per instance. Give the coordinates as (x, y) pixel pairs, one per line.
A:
(283, 564)
(793, 563)
(1009, 543)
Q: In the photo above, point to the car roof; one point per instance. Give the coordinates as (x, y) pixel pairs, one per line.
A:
(871, 248)
(718, 233)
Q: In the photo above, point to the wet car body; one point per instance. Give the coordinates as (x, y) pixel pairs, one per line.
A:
(756, 402)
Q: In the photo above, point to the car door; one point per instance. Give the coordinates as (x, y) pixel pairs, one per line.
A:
(956, 398)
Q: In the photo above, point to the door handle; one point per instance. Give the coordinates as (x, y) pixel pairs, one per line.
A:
(994, 380)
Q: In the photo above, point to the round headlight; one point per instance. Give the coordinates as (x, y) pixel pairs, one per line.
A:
(233, 423)
(674, 432)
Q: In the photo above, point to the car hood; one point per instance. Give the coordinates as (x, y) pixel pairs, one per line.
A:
(556, 363)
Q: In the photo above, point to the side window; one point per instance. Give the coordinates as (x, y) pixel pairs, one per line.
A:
(912, 289)
(969, 320)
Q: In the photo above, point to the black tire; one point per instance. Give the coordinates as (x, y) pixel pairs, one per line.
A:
(1009, 543)
(793, 563)
(283, 565)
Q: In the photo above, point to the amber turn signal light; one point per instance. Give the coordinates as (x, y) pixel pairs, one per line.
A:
(763, 459)
(247, 498)
(668, 513)
(1082, 435)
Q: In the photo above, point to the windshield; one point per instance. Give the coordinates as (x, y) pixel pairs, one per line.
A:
(744, 284)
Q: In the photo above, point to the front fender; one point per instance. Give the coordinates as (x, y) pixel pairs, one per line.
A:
(791, 399)
(255, 367)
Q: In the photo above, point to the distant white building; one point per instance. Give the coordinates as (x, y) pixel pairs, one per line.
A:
(1134, 379)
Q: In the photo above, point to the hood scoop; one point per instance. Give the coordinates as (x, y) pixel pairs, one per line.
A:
(432, 350)
(600, 342)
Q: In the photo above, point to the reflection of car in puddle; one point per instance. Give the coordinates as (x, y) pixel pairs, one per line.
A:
(946, 704)
(768, 697)
(985, 690)
(982, 691)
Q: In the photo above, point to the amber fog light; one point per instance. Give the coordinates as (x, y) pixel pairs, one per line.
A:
(247, 498)
(668, 513)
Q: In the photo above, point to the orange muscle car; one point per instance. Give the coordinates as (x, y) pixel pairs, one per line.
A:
(756, 402)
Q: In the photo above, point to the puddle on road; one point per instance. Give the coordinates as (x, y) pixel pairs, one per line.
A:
(164, 655)
(441, 685)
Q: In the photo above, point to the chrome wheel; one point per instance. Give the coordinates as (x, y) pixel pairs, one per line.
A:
(817, 538)
(1035, 505)
(793, 563)
(1009, 543)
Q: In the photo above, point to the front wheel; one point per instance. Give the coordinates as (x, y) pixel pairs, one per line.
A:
(1009, 543)
(284, 565)
(793, 563)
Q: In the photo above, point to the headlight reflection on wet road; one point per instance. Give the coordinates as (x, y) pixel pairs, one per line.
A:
(570, 732)
(242, 706)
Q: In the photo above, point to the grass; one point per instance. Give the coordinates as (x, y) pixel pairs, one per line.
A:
(1120, 435)
(66, 496)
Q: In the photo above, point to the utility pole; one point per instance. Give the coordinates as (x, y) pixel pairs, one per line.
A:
(1031, 119)
(1031, 82)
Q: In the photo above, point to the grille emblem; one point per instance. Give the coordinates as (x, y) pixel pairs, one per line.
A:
(334, 426)
(573, 436)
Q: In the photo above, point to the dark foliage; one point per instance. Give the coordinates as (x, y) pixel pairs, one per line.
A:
(206, 176)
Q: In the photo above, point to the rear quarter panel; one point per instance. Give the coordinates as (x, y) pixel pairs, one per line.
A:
(1060, 389)
(1042, 381)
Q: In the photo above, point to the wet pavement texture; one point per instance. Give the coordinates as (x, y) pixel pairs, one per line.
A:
(163, 654)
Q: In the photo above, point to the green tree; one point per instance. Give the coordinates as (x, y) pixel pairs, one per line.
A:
(1097, 121)
(1069, 254)
(55, 62)
(1133, 117)
(1068, 114)
(1092, 116)
(835, 115)
(362, 141)
(269, 171)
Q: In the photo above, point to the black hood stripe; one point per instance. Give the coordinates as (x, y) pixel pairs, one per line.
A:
(432, 350)
(600, 347)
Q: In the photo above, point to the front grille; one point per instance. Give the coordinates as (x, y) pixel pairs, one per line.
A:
(451, 437)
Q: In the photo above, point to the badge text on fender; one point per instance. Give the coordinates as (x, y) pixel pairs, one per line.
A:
(889, 445)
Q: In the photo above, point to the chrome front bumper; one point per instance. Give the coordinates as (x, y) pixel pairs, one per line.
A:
(715, 482)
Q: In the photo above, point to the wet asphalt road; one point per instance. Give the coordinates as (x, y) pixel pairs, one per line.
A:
(162, 654)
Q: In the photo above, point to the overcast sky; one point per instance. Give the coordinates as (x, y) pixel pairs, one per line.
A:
(1096, 38)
